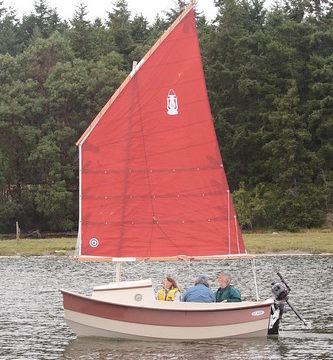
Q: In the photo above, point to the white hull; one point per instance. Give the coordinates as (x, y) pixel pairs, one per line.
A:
(105, 314)
(90, 326)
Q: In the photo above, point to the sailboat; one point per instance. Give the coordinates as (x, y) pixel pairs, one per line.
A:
(153, 188)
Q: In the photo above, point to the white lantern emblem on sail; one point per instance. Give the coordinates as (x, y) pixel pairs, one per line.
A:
(172, 103)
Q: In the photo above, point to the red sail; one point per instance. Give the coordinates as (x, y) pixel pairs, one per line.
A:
(152, 179)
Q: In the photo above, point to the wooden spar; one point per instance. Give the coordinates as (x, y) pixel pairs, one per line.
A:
(170, 258)
(118, 262)
(118, 267)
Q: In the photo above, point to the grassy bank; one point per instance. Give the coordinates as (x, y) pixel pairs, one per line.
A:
(37, 247)
(312, 242)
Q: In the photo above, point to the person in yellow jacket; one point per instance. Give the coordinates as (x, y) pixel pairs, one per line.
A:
(169, 290)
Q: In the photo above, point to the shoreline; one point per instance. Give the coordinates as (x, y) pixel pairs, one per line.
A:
(292, 254)
(282, 254)
(257, 244)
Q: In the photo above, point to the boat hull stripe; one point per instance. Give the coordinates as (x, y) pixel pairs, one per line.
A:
(164, 317)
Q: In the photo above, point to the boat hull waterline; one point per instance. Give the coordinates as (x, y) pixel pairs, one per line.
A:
(171, 322)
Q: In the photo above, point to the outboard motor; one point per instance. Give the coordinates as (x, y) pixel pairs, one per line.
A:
(281, 291)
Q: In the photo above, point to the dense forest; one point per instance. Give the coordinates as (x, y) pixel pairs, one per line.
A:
(269, 77)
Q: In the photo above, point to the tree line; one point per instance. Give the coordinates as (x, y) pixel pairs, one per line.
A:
(269, 78)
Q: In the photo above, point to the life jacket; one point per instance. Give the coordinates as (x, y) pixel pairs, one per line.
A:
(165, 295)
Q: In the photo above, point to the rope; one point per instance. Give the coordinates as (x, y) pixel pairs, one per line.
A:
(253, 262)
(236, 233)
(228, 220)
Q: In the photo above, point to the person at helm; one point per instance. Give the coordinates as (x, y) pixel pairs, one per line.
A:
(226, 292)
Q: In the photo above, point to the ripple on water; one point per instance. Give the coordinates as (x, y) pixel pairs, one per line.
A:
(32, 324)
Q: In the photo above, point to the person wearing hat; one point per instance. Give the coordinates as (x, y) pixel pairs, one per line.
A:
(226, 292)
(169, 290)
(200, 292)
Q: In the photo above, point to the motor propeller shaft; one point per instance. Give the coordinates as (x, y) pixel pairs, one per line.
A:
(296, 312)
(281, 291)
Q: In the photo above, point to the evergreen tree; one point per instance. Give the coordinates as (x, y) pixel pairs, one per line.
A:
(320, 102)
(140, 33)
(9, 32)
(269, 79)
(177, 7)
(291, 165)
(99, 40)
(157, 29)
(80, 33)
(43, 19)
(237, 81)
(120, 33)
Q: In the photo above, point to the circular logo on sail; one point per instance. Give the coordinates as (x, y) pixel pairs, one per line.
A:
(172, 103)
(93, 242)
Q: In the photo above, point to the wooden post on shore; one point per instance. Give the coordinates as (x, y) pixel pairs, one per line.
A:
(17, 232)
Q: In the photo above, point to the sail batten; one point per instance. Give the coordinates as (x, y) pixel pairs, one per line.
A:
(166, 259)
(152, 182)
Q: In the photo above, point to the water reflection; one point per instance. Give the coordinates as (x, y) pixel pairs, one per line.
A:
(93, 348)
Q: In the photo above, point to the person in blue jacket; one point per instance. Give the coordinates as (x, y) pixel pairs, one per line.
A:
(226, 292)
(200, 292)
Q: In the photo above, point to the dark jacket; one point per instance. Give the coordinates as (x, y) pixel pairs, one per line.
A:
(199, 293)
(230, 293)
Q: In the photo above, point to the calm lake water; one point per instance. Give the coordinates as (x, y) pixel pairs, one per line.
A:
(32, 324)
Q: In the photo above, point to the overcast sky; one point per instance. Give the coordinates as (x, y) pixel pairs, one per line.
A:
(98, 8)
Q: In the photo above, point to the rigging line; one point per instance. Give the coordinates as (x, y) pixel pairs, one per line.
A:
(78, 247)
(167, 62)
(132, 270)
(218, 153)
(189, 271)
(129, 77)
(126, 173)
(138, 263)
(166, 269)
(146, 161)
(154, 132)
(236, 233)
(196, 193)
(166, 222)
(155, 170)
(253, 262)
(182, 148)
(93, 267)
(228, 191)
(168, 237)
